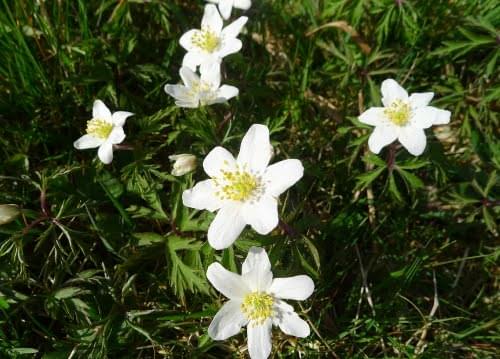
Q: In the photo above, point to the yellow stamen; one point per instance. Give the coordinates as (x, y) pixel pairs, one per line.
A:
(206, 40)
(238, 185)
(399, 112)
(257, 307)
(99, 128)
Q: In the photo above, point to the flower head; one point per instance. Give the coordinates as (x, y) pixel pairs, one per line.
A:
(201, 91)
(226, 6)
(184, 163)
(244, 190)
(403, 118)
(211, 43)
(256, 301)
(104, 130)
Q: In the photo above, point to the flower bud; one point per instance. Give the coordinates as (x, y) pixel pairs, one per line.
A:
(183, 164)
(8, 212)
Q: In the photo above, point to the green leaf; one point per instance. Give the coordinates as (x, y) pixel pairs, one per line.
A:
(393, 188)
(3, 303)
(413, 181)
(366, 178)
(67, 292)
(148, 238)
(489, 220)
(24, 350)
(183, 276)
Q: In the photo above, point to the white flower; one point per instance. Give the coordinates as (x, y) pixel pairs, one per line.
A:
(212, 42)
(104, 130)
(225, 6)
(245, 190)
(256, 300)
(183, 164)
(403, 118)
(203, 90)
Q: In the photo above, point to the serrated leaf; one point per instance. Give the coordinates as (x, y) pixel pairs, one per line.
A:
(366, 178)
(148, 238)
(184, 277)
(393, 188)
(413, 181)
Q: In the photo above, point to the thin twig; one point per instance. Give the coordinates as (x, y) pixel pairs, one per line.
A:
(420, 347)
(364, 288)
(461, 267)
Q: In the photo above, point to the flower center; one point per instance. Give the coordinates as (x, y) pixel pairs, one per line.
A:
(206, 40)
(99, 128)
(398, 112)
(257, 307)
(203, 92)
(239, 185)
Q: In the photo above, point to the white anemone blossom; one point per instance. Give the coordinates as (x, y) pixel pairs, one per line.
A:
(226, 6)
(211, 43)
(256, 301)
(201, 90)
(104, 130)
(403, 118)
(244, 190)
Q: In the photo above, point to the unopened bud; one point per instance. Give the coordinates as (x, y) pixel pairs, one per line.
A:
(183, 164)
(8, 212)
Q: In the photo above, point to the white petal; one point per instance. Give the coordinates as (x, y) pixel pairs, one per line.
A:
(105, 153)
(227, 283)
(413, 139)
(211, 19)
(181, 93)
(101, 111)
(381, 137)
(262, 215)
(226, 227)
(289, 322)
(229, 46)
(233, 29)
(192, 60)
(282, 175)
(391, 91)
(425, 117)
(227, 92)
(373, 116)
(87, 141)
(187, 104)
(202, 196)
(227, 322)
(256, 258)
(255, 149)
(116, 136)
(189, 78)
(186, 41)
(210, 74)
(225, 7)
(218, 159)
(256, 270)
(420, 99)
(299, 287)
(119, 117)
(242, 4)
(259, 340)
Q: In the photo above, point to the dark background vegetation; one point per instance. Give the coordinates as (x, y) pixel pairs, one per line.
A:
(105, 262)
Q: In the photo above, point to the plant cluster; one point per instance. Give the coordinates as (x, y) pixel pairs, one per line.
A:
(375, 211)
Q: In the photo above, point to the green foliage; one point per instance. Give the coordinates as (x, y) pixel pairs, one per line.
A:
(106, 262)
